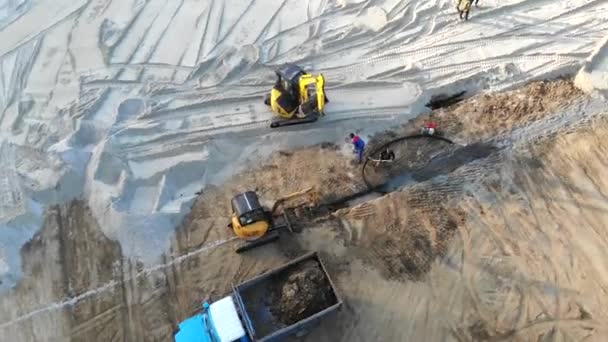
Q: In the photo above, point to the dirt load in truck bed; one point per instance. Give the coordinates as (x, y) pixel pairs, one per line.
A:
(287, 297)
(301, 293)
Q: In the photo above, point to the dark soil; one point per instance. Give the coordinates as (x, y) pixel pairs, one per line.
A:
(445, 100)
(301, 293)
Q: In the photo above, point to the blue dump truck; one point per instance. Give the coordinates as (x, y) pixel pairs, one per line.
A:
(283, 302)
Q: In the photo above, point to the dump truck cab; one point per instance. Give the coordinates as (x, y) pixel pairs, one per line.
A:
(219, 322)
(249, 219)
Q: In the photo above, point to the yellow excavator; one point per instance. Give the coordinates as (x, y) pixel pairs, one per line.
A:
(297, 97)
(259, 226)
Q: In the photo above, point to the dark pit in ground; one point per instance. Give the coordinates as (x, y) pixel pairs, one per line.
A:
(445, 100)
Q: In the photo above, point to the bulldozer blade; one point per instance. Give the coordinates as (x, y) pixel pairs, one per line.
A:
(270, 237)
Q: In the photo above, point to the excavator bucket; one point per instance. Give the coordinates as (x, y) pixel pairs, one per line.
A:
(307, 197)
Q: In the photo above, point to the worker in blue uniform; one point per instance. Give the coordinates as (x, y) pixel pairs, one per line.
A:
(359, 145)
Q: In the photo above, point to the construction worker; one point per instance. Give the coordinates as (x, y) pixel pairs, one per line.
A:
(359, 145)
(463, 7)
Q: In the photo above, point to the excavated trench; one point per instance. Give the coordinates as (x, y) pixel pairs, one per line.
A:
(399, 245)
(440, 164)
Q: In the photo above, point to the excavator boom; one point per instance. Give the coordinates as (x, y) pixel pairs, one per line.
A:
(311, 195)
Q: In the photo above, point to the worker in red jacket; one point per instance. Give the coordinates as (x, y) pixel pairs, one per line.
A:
(359, 145)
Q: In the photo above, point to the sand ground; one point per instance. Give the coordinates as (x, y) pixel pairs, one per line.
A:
(503, 244)
(115, 113)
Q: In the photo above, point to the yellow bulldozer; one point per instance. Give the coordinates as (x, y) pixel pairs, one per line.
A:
(297, 97)
(258, 225)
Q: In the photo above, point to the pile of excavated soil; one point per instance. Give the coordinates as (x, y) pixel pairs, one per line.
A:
(410, 230)
(475, 119)
(486, 115)
(302, 293)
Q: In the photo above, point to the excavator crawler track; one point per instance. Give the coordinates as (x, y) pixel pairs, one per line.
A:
(268, 238)
(292, 122)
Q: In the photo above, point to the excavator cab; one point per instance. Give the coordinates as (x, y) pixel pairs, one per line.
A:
(249, 219)
(297, 97)
(259, 226)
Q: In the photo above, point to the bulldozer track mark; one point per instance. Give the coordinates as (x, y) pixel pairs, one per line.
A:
(111, 285)
(313, 21)
(269, 22)
(219, 41)
(11, 198)
(352, 233)
(361, 211)
(466, 274)
(93, 322)
(492, 62)
(398, 54)
(503, 35)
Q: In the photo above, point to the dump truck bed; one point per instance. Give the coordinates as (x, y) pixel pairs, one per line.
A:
(284, 301)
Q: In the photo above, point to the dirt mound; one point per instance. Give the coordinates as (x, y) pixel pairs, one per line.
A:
(405, 242)
(302, 293)
(475, 119)
(487, 115)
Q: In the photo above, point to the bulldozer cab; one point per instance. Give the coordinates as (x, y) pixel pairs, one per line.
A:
(247, 208)
(289, 76)
(303, 86)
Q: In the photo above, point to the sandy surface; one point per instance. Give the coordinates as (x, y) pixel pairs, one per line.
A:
(115, 114)
(133, 106)
(505, 245)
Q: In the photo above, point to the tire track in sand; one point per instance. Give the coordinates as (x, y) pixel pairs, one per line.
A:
(113, 284)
